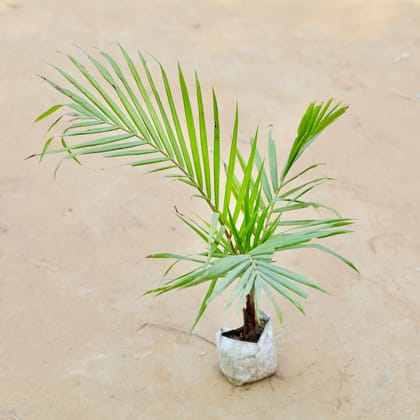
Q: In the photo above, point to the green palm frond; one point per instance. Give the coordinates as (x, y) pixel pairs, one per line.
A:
(121, 110)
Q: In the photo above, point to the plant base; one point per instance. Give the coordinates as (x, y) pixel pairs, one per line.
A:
(244, 362)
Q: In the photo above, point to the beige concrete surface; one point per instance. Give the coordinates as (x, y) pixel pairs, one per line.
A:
(77, 339)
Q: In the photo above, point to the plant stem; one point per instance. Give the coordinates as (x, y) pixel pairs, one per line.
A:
(252, 329)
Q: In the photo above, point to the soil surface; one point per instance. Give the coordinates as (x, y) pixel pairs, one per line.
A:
(77, 339)
(238, 334)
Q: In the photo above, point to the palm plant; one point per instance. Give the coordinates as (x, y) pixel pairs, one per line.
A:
(128, 113)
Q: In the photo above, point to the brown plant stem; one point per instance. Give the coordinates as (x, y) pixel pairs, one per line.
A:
(252, 330)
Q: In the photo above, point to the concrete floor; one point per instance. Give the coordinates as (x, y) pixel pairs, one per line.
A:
(78, 340)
